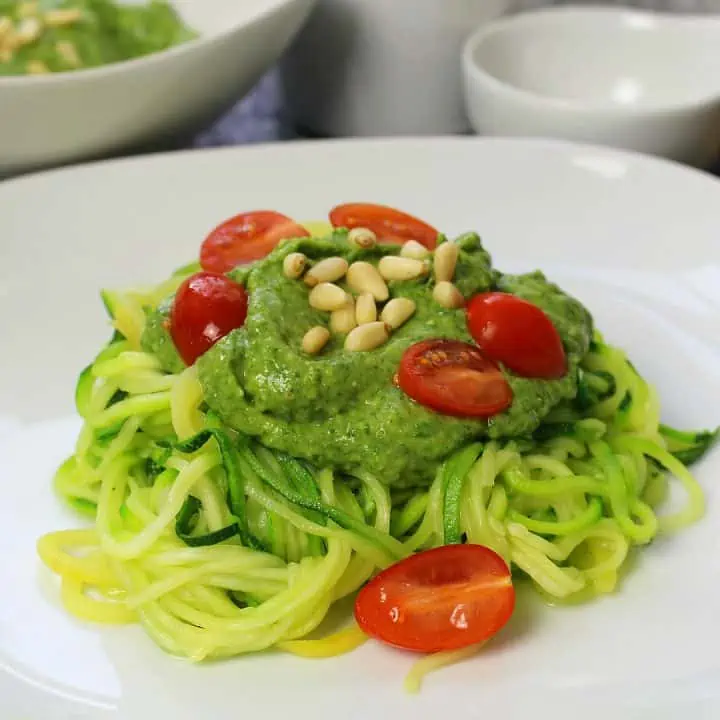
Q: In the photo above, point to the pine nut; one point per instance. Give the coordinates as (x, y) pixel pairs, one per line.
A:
(37, 67)
(328, 297)
(27, 32)
(413, 249)
(398, 311)
(62, 17)
(315, 339)
(446, 257)
(329, 270)
(362, 277)
(68, 52)
(343, 321)
(365, 309)
(367, 337)
(294, 265)
(362, 238)
(447, 295)
(6, 26)
(27, 9)
(400, 268)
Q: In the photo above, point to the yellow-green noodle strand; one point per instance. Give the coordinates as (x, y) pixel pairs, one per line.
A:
(565, 507)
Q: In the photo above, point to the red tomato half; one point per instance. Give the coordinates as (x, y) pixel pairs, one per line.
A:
(207, 307)
(390, 225)
(518, 334)
(441, 599)
(453, 378)
(245, 238)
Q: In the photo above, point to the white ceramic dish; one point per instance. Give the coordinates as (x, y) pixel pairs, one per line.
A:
(52, 119)
(368, 68)
(637, 80)
(598, 221)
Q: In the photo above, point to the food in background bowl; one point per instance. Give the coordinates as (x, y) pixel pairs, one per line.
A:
(161, 99)
(38, 37)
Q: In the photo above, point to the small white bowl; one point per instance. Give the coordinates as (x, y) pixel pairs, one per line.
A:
(51, 119)
(635, 80)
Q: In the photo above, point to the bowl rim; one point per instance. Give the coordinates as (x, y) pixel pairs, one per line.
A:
(474, 71)
(269, 8)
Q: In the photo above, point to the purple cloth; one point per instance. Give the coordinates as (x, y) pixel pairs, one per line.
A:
(256, 119)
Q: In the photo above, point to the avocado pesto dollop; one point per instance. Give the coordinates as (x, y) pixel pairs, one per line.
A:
(343, 409)
(46, 36)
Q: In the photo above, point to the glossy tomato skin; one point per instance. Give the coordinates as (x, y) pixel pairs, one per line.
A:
(453, 378)
(207, 307)
(441, 599)
(518, 334)
(245, 238)
(389, 224)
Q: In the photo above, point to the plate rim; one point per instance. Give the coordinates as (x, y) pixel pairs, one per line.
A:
(567, 147)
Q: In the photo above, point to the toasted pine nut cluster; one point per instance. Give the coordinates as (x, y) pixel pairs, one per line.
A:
(366, 313)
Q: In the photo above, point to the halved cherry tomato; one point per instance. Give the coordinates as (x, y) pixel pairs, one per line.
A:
(245, 238)
(441, 599)
(207, 307)
(390, 225)
(518, 334)
(453, 378)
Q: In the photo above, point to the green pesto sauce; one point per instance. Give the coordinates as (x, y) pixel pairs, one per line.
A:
(107, 32)
(156, 339)
(342, 409)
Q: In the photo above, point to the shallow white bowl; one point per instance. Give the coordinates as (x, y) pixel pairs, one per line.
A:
(46, 120)
(635, 80)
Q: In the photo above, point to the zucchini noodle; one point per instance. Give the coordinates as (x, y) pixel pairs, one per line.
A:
(219, 546)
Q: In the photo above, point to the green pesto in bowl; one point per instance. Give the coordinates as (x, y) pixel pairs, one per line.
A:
(51, 36)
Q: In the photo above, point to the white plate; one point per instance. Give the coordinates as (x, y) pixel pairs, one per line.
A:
(637, 239)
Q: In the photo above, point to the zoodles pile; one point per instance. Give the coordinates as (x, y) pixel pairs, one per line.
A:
(220, 546)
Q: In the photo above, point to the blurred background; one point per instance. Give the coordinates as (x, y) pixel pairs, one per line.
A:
(275, 70)
(262, 115)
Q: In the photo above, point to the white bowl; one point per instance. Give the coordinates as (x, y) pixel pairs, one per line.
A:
(382, 67)
(635, 80)
(50, 119)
